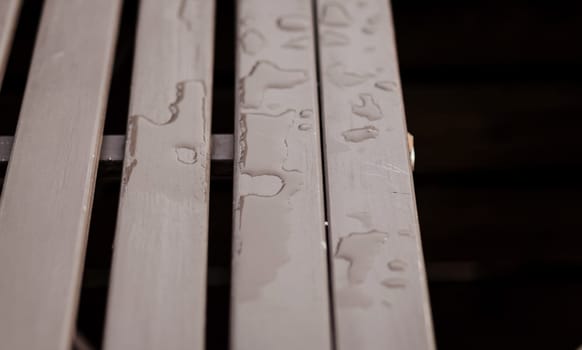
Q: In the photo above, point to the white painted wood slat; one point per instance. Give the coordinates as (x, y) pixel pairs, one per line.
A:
(379, 286)
(46, 200)
(279, 273)
(8, 17)
(158, 286)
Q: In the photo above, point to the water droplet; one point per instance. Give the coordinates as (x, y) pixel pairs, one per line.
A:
(329, 38)
(368, 30)
(397, 265)
(394, 282)
(266, 75)
(186, 155)
(371, 24)
(266, 185)
(299, 43)
(340, 77)
(360, 249)
(293, 23)
(186, 12)
(252, 41)
(306, 113)
(304, 126)
(361, 134)
(369, 109)
(335, 14)
(386, 85)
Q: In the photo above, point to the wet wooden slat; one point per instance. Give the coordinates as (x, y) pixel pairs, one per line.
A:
(8, 17)
(158, 285)
(379, 287)
(48, 190)
(279, 273)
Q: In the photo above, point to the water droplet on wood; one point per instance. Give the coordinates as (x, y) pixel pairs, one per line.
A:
(339, 76)
(304, 126)
(252, 41)
(360, 250)
(386, 85)
(371, 25)
(293, 23)
(335, 14)
(306, 113)
(361, 134)
(186, 155)
(397, 265)
(264, 185)
(394, 282)
(369, 109)
(266, 75)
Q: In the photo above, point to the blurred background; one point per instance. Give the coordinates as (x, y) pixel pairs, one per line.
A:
(493, 94)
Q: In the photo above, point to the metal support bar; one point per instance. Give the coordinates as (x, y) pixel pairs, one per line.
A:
(113, 146)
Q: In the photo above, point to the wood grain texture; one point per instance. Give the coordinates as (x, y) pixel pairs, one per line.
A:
(9, 10)
(158, 286)
(48, 190)
(279, 273)
(379, 286)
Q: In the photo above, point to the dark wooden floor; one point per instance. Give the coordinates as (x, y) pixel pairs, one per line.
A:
(493, 93)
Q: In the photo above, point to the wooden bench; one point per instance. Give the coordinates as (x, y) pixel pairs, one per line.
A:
(326, 249)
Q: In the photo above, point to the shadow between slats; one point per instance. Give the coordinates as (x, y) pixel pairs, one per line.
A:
(93, 300)
(18, 65)
(14, 82)
(221, 187)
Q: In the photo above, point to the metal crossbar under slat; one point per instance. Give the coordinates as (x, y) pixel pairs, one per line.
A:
(112, 148)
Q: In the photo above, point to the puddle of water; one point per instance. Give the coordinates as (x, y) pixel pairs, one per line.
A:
(267, 75)
(360, 250)
(361, 134)
(369, 109)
